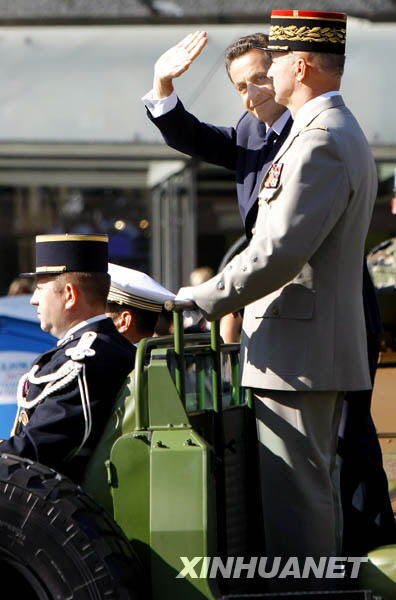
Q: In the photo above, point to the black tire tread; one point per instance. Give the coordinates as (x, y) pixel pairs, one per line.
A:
(100, 542)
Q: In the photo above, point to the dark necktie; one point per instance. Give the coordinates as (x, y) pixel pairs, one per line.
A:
(269, 141)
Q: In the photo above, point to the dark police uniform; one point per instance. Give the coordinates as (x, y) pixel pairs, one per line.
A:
(66, 398)
(52, 431)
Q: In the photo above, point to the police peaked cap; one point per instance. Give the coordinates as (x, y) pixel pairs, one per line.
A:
(136, 289)
(56, 254)
(307, 30)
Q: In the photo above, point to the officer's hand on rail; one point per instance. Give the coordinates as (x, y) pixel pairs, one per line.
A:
(183, 302)
(191, 313)
(181, 305)
(185, 293)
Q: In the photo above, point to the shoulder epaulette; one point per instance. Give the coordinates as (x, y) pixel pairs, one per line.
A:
(83, 348)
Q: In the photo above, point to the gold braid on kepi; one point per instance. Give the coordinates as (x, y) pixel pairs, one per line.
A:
(307, 30)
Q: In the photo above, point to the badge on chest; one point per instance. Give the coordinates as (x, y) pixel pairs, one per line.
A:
(272, 179)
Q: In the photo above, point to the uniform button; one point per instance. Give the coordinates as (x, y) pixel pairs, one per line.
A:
(254, 259)
(220, 285)
(253, 230)
(244, 268)
(275, 311)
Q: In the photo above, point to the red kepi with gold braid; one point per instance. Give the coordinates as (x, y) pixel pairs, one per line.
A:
(307, 30)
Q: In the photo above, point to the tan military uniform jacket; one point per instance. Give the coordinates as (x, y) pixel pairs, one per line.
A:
(301, 276)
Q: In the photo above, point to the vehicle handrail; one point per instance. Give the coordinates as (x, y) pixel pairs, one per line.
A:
(143, 348)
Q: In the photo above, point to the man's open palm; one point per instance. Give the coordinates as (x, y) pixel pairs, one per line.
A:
(178, 59)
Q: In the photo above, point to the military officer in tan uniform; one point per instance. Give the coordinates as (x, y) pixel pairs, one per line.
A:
(300, 278)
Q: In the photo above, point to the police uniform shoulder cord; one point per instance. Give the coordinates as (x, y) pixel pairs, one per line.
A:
(72, 369)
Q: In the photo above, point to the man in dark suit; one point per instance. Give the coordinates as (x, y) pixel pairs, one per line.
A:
(65, 400)
(249, 149)
(246, 149)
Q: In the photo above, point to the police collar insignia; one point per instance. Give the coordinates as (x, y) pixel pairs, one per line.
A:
(272, 179)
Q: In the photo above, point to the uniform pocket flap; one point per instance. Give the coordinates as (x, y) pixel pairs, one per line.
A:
(295, 302)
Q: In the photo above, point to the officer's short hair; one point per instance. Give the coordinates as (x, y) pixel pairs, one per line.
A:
(244, 45)
(95, 286)
(329, 63)
(146, 320)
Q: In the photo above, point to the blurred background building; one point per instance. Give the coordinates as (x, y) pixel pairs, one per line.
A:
(77, 153)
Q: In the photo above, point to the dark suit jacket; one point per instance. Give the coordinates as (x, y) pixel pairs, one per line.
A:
(56, 426)
(240, 149)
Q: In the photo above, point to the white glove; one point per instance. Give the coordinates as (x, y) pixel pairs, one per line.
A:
(190, 317)
(185, 293)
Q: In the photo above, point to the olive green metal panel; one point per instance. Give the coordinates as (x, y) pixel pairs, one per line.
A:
(379, 573)
(165, 406)
(130, 468)
(182, 512)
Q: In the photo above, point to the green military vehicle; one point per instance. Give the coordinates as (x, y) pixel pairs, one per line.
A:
(185, 497)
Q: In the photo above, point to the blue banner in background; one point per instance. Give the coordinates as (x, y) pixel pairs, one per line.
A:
(21, 340)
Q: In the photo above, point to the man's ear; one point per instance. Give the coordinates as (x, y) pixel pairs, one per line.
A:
(301, 68)
(124, 321)
(71, 294)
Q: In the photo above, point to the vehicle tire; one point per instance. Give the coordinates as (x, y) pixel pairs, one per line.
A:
(55, 542)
